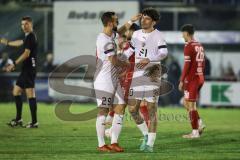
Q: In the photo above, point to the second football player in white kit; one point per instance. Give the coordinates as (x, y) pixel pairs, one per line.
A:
(150, 48)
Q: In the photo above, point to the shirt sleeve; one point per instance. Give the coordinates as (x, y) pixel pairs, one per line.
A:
(187, 62)
(128, 52)
(132, 46)
(162, 51)
(133, 42)
(109, 48)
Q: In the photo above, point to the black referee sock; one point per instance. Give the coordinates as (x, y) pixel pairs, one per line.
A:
(33, 109)
(19, 103)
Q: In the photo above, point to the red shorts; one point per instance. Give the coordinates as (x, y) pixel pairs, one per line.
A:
(192, 89)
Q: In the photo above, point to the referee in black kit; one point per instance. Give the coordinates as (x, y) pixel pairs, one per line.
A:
(26, 79)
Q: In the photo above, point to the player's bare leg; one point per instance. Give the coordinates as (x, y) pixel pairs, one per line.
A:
(17, 93)
(152, 110)
(133, 107)
(100, 127)
(144, 112)
(193, 114)
(192, 106)
(116, 128)
(110, 116)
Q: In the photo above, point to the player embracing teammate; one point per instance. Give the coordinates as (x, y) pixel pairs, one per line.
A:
(106, 81)
(150, 48)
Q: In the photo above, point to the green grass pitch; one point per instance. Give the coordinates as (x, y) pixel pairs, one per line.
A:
(57, 139)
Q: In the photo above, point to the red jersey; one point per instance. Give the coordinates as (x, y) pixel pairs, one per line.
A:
(127, 79)
(194, 62)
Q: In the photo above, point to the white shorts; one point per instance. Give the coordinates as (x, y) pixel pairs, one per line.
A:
(148, 93)
(107, 94)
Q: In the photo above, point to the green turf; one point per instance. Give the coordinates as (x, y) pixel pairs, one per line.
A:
(57, 139)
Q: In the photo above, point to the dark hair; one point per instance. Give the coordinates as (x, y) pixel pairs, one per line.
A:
(151, 13)
(188, 28)
(134, 27)
(107, 17)
(27, 18)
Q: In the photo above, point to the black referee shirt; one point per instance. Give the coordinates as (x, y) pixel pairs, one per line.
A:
(30, 42)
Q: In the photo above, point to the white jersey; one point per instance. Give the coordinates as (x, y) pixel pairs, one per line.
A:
(106, 83)
(105, 70)
(147, 45)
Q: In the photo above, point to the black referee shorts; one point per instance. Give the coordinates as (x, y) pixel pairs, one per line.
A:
(26, 79)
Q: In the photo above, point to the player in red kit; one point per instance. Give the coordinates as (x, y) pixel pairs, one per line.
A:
(127, 80)
(192, 78)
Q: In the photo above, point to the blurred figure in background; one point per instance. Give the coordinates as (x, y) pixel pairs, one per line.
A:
(48, 65)
(5, 61)
(207, 71)
(228, 74)
(5, 81)
(174, 73)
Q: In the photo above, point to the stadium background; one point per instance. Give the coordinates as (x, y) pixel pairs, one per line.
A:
(67, 29)
(67, 136)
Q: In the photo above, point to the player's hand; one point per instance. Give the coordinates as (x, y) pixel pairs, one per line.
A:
(10, 68)
(3, 41)
(128, 64)
(136, 17)
(142, 63)
(123, 74)
(153, 72)
(180, 86)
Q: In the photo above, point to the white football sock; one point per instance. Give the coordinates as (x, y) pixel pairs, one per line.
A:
(200, 123)
(195, 132)
(116, 127)
(151, 139)
(100, 126)
(110, 131)
(143, 128)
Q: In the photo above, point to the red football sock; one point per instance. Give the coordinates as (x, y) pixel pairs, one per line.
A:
(194, 119)
(144, 111)
(111, 113)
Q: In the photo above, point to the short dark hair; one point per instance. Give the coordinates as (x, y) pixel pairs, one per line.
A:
(151, 13)
(107, 17)
(188, 28)
(27, 18)
(134, 27)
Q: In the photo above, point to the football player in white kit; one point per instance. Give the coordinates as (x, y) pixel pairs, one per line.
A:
(106, 81)
(150, 48)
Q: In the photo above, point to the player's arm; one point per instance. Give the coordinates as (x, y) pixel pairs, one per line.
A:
(117, 62)
(153, 58)
(16, 43)
(109, 51)
(20, 59)
(128, 24)
(186, 67)
(127, 53)
(23, 56)
(161, 53)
